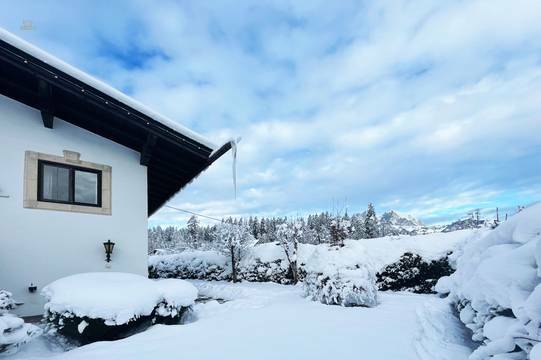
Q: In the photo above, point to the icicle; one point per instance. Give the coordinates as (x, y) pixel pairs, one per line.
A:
(234, 143)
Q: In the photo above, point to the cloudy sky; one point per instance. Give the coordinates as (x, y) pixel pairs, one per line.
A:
(431, 108)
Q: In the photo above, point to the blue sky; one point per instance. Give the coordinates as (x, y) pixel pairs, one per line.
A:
(427, 107)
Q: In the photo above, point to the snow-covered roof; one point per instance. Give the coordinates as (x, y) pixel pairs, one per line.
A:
(101, 86)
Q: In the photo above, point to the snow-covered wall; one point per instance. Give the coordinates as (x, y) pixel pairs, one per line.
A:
(40, 246)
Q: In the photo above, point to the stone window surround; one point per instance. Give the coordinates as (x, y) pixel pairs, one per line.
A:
(70, 158)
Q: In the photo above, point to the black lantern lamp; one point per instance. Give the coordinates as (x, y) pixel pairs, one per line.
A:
(109, 245)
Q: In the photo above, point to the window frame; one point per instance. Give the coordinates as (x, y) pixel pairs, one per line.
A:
(70, 157)
(71, 185)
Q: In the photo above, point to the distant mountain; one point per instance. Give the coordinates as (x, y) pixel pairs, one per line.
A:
(394, 218)
(392, 223)
(468, 223)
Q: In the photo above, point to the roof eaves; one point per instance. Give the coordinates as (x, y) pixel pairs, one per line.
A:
(99, 85)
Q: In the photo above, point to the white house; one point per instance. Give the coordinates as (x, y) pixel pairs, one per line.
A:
(81, 164)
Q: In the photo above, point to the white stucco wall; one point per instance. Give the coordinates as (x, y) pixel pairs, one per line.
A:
(39, 246)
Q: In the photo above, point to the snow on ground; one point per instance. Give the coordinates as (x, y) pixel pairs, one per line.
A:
(271, 321)
(440, 334)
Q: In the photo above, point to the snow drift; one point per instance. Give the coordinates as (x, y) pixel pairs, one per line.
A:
(497, 287)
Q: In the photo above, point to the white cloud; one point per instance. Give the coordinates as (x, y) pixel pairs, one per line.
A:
(419, 106)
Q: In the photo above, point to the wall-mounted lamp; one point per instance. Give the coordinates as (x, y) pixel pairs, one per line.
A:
(109, 245)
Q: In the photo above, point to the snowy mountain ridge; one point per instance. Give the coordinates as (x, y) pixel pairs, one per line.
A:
(394, 218)
(468, 223)
(393, 223)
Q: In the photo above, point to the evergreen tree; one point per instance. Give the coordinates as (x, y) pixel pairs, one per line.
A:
(371, 222)
(340, 229)
(262, 231)
(359, 231)
(193, 231)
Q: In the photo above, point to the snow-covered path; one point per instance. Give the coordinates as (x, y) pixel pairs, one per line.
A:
(270, 321)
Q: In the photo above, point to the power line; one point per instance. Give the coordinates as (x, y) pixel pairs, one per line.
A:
(193, 213)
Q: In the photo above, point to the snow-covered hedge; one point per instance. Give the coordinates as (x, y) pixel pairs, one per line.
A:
(14, 332)
(412, 273)
(107, 306)
(267, 262)
(497, 288)
(273, 271)
(191, 264)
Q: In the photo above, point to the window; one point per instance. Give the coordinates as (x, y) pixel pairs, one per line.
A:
(68, 184)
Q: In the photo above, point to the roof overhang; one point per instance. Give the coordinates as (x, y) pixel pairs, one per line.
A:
(173, 158)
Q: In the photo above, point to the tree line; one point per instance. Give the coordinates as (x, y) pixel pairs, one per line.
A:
(318, 228)
(233, 237)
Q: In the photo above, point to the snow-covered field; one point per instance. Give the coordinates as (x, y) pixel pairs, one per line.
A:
(271, 321)
(495, 289)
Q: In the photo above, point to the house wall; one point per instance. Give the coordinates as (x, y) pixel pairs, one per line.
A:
(39, 246)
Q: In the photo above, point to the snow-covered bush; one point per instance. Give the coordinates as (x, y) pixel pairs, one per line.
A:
(412, 273)
(190, 264)
(268, 262)
(276, 271)
(7, 302)
(497, 288)
(14, 332)
(334, 278)
(108, 306)
(348, 287)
